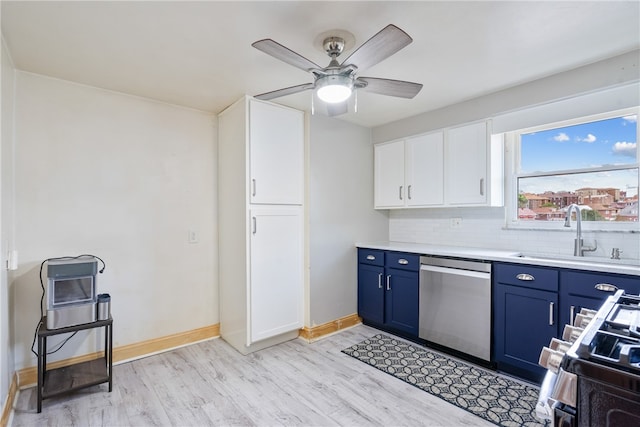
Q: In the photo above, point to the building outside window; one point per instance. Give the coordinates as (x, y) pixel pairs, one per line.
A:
(592, 162)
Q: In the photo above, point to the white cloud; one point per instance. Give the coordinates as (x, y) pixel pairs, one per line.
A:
(590, 138)
(630, 119)
(561, 137)
(625, 148)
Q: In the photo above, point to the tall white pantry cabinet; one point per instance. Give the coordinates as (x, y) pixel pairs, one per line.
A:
(260, 223)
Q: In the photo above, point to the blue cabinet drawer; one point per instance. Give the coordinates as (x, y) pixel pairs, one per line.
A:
(596, 284)
(526, 276)
(403, 261)
(370, 256)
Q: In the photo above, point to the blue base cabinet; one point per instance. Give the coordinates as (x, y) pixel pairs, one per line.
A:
(532, 304)
(525, 304)
(388, 286)
(584, 289)
(370, 285)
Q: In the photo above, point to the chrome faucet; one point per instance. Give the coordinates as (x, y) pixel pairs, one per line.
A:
(578, 247)
(615, 253)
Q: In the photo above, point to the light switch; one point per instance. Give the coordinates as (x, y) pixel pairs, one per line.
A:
(12, 261)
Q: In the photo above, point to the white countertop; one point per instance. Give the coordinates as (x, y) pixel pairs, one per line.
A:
(586, 263)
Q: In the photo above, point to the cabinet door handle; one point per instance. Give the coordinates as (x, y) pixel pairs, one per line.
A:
(525, 277)
(551, 313)
(482, 186)
(606, 287)
(253, 187)
(388, 282)
(254, 225)
(379, 280)
(409, 192)
(371, 257)
(403, 261)
(400, 192)
(572, 313)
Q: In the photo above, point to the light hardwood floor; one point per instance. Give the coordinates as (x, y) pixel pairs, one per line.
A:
(210, 383)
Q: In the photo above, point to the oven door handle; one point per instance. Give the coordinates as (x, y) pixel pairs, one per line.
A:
(458, 272)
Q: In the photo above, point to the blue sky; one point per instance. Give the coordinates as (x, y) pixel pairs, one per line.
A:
(606, 142)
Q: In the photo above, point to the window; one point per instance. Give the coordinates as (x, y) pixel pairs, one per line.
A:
(592, 162)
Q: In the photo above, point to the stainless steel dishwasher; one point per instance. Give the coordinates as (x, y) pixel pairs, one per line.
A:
(455, 304)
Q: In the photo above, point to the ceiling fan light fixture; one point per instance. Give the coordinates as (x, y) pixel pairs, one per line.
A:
(334, 89)
(335, 83)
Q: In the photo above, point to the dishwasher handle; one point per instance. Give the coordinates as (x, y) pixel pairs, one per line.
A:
(456, 271)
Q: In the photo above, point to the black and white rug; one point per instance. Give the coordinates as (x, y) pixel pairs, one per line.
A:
(495, 398)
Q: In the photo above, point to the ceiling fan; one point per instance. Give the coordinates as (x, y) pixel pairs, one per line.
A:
(335, 83)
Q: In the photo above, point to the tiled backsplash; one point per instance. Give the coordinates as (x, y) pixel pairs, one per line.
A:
(485, 228)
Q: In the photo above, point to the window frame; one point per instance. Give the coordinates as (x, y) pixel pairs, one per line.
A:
(512, 165)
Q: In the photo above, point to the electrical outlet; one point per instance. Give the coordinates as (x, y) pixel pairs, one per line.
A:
(456, 222)
(193, 236)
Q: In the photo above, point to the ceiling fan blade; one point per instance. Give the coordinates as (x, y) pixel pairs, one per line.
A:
(285, 54)
(379, 47)
(283, 92)
(337, 109)
(390, 87)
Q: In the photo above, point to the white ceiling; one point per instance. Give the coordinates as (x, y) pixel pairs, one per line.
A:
(199, 54)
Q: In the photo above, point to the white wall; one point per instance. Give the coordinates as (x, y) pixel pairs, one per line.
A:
(340, 206)
(485, 227)
(123, 178)
(608, 73)
(7, 75)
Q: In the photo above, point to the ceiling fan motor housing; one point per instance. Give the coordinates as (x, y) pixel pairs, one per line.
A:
(333, 46)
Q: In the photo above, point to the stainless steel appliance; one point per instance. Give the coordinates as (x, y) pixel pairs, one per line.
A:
(596, 381)
(104, 306)
(71, 291)
(455, 304)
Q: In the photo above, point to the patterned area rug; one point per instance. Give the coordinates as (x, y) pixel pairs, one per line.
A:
(495, 398)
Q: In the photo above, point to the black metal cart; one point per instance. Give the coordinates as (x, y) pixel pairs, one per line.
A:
(78, 375)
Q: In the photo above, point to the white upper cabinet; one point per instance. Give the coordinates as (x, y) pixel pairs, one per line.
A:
(276, 140)
(460, 166)
(466, 164)
(424, 170)
(473, 166)
(408, 173)
(389, 174)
